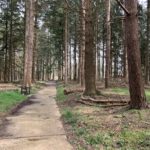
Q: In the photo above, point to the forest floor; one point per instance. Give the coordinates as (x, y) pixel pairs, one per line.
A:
(36, 126)
(94, 127)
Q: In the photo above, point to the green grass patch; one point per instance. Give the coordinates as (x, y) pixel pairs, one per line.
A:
(134, 140)
(80, 131)
(125, 91)
(121, 91)
(69, 116)
(94, 139)
(9, 99)
(104, 139)
(124, 140)
(148, 95)
(60, 96)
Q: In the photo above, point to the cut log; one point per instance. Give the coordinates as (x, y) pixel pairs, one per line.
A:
(85, 103)
(114, 105)
(92, 100)
(70, 91)
(104, 106)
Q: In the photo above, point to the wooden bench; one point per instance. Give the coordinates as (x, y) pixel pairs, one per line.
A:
(25, 90)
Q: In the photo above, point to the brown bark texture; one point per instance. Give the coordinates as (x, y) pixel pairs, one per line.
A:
(147, 54)
(136, 86)
(66, 44)
(29, 39)
(108, 43)
(90, 54)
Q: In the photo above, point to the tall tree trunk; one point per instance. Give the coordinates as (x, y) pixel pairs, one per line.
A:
(97, 45)
(136, 86)
(147, 54)
(43, 70)
(59, 66)
(66, 44)
(75, 51)
(103, 56)
(70, 60)
(29, 39)
(11, 43)
(125, 67)
(108, 44)
(6, 47)
(34, 67)
(82, 43)
(90, 54)
(116, 64)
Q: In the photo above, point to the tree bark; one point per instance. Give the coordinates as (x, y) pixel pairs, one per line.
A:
(11, 43)
(90, 53)
(75, 51)
(29, 39)
(136, 86)
(66, 44)
(147, 54)
(103, 55)
(70, 59)
(108, 43)
(125, 62)
(34, 66)
(82, 43)
(6, 47)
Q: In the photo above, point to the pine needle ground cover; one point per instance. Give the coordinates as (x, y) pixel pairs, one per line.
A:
(95, 127)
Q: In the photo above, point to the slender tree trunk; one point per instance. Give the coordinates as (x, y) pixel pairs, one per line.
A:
(99, 64)
(66, 44)
(103, 56)
(6, 48)
(108, 44)
(43, 70)
(116, 64)
(90, 53)
(75, 52)
(34, 66)
(11, 43)
(96, 44)
(136, 86)
(70, 61)
(125, 72)
(59, 65)
(82, 43)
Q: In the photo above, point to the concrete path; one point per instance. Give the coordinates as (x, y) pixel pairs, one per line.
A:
(36, 126)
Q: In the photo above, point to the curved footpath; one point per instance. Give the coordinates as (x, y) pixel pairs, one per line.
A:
(36, 126)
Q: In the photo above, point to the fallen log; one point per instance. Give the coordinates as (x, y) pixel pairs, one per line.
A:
(104, 106)
(8, 89)
(92, 100)
(85, 103)
(70, 91)
(114, 105)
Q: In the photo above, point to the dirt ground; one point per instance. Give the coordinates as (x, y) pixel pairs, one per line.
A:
(98, 128)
